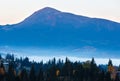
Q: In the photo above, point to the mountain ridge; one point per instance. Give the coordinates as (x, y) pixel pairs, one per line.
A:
(50, 10)
(49, 27)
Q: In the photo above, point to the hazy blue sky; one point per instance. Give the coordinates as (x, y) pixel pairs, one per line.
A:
(14, 11)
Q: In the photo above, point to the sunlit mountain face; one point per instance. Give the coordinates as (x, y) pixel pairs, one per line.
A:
(50, 32)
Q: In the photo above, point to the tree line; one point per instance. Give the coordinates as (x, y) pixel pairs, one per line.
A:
(21, 69)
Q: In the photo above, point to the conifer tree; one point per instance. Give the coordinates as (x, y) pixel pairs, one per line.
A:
(107, 76)
(32, 75)
(40, 76)
(78, 72)
(52, 72)
(2, 72)
(93, 70)
(101, 76)
(110, 62)
(24, 75)
(11, 73)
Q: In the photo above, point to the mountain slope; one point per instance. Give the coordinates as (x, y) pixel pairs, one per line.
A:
(49, 27)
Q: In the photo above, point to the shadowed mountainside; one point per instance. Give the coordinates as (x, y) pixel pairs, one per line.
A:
(49, 27)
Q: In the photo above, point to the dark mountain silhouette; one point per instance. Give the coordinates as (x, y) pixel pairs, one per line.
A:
(49, 27)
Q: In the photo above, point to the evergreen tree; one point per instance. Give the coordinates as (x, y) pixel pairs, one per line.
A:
(101, 76)
(65, 70)
(78, 72)
(25, 62)
(32, 75)
(11, 73)
(107, 76)
(53, 61)
(52, 73)
(110, 62)
(93, 70)
(2, 72)
(24, 75)
(40, 76)
(10, 57)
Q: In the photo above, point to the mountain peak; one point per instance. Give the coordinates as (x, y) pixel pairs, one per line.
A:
(42, 15)
(48, 10)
